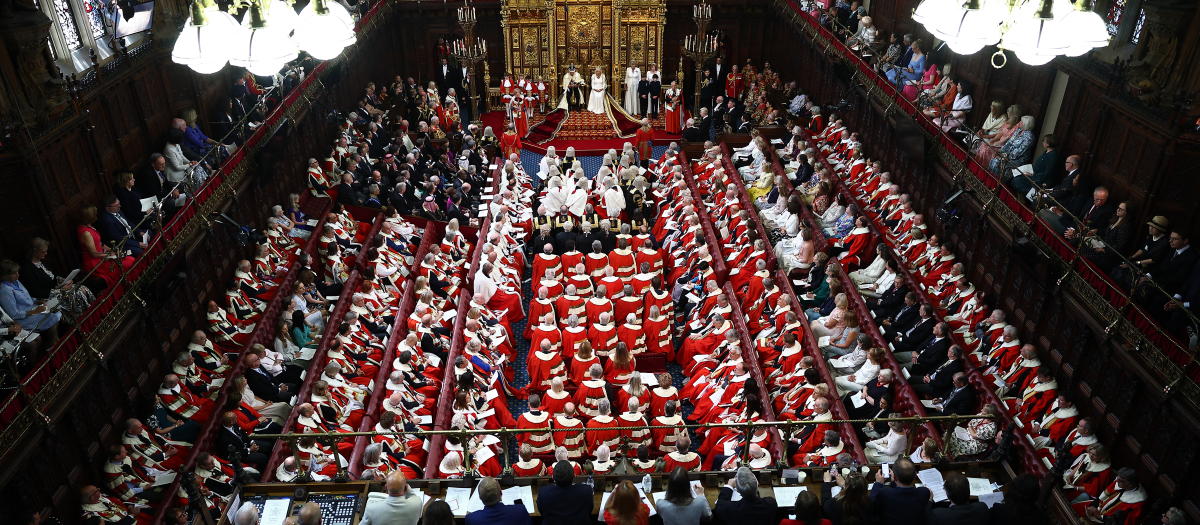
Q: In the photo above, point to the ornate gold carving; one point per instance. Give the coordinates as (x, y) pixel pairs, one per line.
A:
(530, 41)
(584, 24)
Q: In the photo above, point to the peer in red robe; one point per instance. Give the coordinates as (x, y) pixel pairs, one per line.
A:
(591, 392)
(545, 365)
(540, 308)
(645, 142)
(510, 142)
(856, 244)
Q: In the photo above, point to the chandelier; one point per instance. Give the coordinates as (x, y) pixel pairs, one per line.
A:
(1035, 30)
(269, 36)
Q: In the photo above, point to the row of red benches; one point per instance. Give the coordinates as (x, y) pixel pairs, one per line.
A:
(984, 392)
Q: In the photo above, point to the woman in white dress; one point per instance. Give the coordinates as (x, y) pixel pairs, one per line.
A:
(887, 448)
(834, 211)
(633, 75)
(596, 102)
(865, 373)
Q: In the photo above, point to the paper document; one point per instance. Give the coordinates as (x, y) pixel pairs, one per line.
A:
(71, 276)
(307, 353)
(991, 498)
(148, 203)
(930, 476)
(457, 498)
(275, 511)
(649, 380)
(786, 496)
(980, 486)
(932, 479)
(823, 341)
(510, 496)
(164, 478)
(858, 401)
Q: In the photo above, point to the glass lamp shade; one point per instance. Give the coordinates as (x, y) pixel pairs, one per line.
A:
(931, 11)
(338, 10)
(1034, 40)
(1081, 31)
(264, 50)
(206, 48)
(283, 17)
(324, 36)
(968, 31)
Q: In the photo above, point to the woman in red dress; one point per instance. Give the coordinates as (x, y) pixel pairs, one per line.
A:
(95, 253)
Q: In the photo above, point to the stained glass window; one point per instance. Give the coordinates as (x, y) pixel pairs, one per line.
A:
(66, 22)
(1137, 30)
(95, 18)
(1114, 16)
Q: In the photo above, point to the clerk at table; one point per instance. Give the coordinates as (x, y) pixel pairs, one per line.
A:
(495, 512)
(565, 502)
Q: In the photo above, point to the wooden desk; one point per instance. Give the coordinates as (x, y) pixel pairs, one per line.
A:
(713, 482)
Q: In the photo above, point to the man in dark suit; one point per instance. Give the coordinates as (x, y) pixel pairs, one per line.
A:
(444, 76)
(1062, 189)
(718, 72)
(900, 502)
(734, 110)
(940, 381)
(263, 384)
(654, 89)
(462, 90)
(114, 226)
(707, 86)
(718, 112)
(565, 502)
(151, 180)
(1094, 213)
(347, 193)
(643, 91)
(254, 453)
(1187, 299)
(960, 400)
(494, 511)
(752, 508)
(539, 242)
(912, 338)
(694, 132)
(891, 301)
(1176, 267)
(906, 316)
(931, 353)
(560, 240)
(961, 511)
(471, 152)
